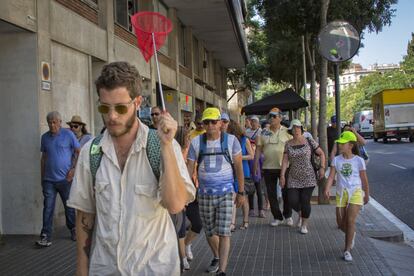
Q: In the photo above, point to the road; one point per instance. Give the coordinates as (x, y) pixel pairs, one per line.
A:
(391, 177)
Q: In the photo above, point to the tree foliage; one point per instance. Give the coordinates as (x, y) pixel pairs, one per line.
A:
(358, 97)
(269, 88)
(408, 63)
(286, 21)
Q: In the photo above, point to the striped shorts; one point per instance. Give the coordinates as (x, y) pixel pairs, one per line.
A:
(216, 213)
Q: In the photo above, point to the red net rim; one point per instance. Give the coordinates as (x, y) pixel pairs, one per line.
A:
(159, 17)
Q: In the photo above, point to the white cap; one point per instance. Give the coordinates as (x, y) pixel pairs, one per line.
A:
(254, 117)
(295, 122)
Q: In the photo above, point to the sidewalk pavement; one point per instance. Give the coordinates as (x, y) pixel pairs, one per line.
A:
(259, 250)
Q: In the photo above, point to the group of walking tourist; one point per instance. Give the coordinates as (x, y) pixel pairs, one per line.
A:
(136, 197)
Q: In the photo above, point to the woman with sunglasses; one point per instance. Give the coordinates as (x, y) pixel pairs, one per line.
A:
(298, 174)
(79, 129)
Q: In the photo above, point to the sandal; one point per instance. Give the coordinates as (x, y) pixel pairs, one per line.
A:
(232, 227)
(245, 225)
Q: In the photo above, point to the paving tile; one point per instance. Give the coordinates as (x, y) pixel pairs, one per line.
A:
(260, 250)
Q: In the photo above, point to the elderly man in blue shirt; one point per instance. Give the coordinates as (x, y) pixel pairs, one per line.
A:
(60, 150)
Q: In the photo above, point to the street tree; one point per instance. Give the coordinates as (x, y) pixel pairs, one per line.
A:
(287, 20)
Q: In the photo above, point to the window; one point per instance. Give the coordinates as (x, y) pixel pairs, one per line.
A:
(196, 54)
(182, 44)
(91, 3)
(124, 9)
(162, 9)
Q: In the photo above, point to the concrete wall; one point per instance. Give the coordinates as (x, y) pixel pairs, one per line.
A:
(21, 196)
(80, 34)
(186, 84)
(124, 51)
(19, 12)
(70, 83)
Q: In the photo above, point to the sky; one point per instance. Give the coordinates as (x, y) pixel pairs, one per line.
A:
(390, 45)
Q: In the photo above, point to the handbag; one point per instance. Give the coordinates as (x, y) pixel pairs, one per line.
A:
(315, 159)
(249, 186)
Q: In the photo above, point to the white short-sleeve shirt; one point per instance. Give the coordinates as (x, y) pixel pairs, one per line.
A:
(133, 234)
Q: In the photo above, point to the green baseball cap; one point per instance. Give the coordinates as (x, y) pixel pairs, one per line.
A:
(346, 136)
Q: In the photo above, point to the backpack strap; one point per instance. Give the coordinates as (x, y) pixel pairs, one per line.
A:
(95, 157)
(225, 148)
(154, 152)
(203, 148)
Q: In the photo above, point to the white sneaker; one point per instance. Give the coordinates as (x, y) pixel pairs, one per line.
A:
(275, 222)
(347, 256)
(186, 265)
(299, 222)
(303, 229)
(188, 252)
(353, 241)
(289, 221)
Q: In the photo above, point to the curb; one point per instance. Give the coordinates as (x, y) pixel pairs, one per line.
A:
(407, 232)
(389, 236)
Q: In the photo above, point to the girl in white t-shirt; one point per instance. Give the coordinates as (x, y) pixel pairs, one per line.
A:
(352, 189)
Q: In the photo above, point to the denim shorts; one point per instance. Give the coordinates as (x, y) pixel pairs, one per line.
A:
(216, 213)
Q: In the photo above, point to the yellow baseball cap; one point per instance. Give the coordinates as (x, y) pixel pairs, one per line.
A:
(211, 113)
(346, 136)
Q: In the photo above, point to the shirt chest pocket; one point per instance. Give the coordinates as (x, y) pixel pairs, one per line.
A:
(146, 202)
(103, 195)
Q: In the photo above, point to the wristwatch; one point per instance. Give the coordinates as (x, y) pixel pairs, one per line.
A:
(243, 193)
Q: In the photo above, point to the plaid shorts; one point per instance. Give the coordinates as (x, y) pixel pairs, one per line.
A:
(216, 213)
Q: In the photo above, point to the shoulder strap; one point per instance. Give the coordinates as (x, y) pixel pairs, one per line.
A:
(202, 148)
(95, 157)
(310, 145)
(154, 152)
(254, 134)
(225, 147)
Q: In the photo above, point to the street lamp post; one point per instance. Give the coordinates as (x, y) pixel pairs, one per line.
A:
(338, 41)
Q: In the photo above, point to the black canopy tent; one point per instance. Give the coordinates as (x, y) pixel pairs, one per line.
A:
(285, 100)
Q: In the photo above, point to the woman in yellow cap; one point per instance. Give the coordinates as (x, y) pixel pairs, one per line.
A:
(352, 188)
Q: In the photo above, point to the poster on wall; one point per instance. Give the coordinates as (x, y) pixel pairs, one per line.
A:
(186, 102)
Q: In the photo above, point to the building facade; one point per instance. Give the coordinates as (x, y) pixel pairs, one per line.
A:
(351, 76)
(53, 50)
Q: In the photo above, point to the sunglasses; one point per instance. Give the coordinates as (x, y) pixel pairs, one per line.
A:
(207, 122)
(119, 108)
(225, 121)
(272, 116)
(74, 126)
(155, 114)
(199, 123)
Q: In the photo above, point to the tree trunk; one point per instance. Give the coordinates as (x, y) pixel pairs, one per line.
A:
(322, 103)
(311, 61)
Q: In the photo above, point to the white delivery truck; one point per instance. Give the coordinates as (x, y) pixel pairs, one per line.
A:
(363, 123)
(393, 114)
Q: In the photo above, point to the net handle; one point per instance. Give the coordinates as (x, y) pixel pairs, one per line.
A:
(158, 73)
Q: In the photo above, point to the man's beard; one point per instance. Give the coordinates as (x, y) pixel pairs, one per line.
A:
(127, 127)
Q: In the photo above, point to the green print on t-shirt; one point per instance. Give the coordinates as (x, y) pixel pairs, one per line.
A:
(346, 169)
